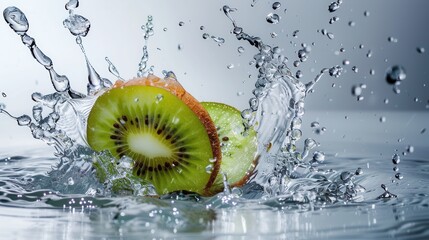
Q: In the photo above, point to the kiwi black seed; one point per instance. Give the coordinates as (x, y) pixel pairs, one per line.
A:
(167, 141)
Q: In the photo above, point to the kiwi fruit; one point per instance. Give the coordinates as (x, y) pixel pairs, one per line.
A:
(238, 148)
(167, 133)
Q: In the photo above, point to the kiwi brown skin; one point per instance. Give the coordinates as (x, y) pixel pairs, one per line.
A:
(175, 88)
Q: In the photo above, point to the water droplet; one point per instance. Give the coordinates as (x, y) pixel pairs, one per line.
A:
(330, 35)
(359, 171)
(181, 23)
(206, 35)
(392, 39)
(395, 168)
(16, 20)
(72, 4)
(273, 35)
(369, 54)
(218, 40)
(395, 75)
(352, 24)
(396, 159)
(410, 149)
(77, 25)
(355, 69)
(346, 176)
(335, 71)
(240, 49)
(356, 90)
(23, 120)
(372, 72)
(276, 5)
(164, 29)
(334, 6)
(159, 98)
(310, 143)
(230, 66)
(202, 28)
(360, 98)
(346, 62)
(382, 119)
(240, 93)
(314, 124)
(333, 19)
(209, 168)
(399, 176)
(420, 49)
(273, 18)
(319, 156)
(298, 74)
(3, 94)
(366, 13)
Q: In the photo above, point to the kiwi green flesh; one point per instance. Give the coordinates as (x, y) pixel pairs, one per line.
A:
(238, 149)
(165, 138)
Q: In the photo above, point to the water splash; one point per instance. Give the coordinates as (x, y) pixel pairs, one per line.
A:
(19, 24)
(148, 31)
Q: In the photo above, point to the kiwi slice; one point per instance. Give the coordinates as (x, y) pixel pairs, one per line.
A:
(238, 147)
(170, 145)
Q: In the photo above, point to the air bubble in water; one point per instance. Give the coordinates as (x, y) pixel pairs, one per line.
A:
(3, 94)
(372, 72)
(330, 35)
(352, 24)
(201, 28)
(230, 66)
(395, 75)
(273, 18)
(382, 119)
(298, 74)
(240, 49)
(181, 23)
(355, 69)
(366, 13)
(276, 5)
(70, 181)
(206, 35)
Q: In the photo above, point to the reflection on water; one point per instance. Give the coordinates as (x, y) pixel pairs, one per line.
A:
(56, 214)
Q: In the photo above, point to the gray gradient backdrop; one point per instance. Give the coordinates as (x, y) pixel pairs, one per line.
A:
(201, 65)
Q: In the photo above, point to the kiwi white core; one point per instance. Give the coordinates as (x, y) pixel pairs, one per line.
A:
(148, 145)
